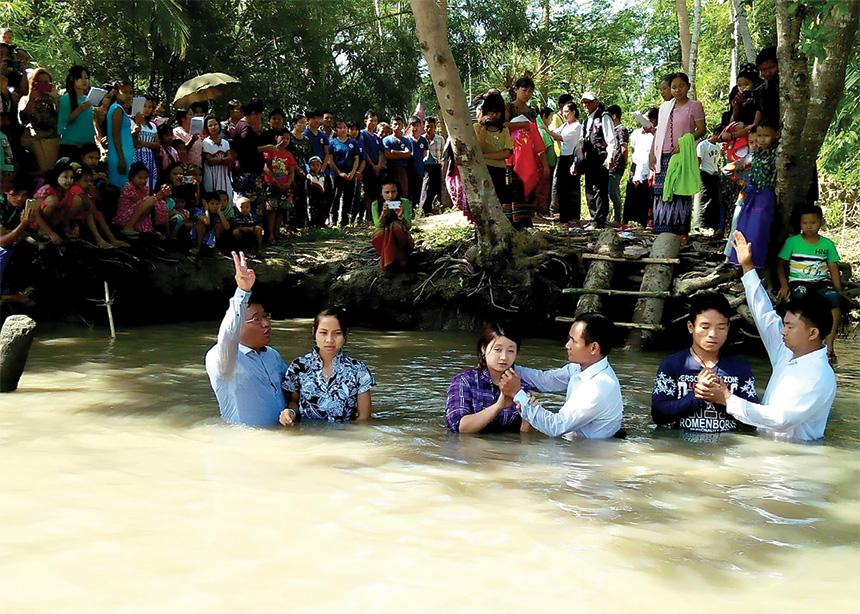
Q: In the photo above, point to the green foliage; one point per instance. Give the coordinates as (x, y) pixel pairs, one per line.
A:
(291, 53)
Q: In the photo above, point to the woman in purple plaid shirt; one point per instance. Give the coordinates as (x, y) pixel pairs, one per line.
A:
(475, 404)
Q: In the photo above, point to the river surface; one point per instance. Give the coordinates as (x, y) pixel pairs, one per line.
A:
(122, 491)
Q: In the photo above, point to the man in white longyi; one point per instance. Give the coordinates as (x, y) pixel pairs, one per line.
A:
(801, 390)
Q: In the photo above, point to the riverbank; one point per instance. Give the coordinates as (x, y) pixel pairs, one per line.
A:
(438, 290)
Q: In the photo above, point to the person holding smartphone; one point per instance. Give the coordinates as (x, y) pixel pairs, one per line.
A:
(392, 219)
(39, 115)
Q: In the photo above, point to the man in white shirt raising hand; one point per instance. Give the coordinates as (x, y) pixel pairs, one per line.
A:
(801, 390)
(593, 407)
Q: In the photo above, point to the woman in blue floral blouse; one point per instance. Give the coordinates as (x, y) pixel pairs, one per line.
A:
(325, 383)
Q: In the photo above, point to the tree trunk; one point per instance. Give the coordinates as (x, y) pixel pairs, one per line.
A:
(494, 231)
(694, 45)
(733, 75)
(808, 102)
(683, 32)
(744, 30)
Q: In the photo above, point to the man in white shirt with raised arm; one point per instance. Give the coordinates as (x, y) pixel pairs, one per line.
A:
(246, 373)
(593, 407)
(801, 390)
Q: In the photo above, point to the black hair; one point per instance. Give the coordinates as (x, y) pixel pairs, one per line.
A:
(310, 113)
(493, 103)
(233, 105)
(614, 110)
(164, 176)
(679, 75)
(278, 111)
(179, 115)
(207, 196)
(811, 209)
(600, 330)
(388, 179)
(396, 118)
(222, 193)
(814, 310)
(414, 119)
(350, 125)
(668, 78)
(80, 170)
(544, 112)
(87, 148)
(254, 105)
(769, 122)
(295, 118)
(328, 112)
(135, 168)
(370, 113)
(564, 99)
(53, 175)
(709, 300)
(750, 71)
(198, 105)
(493, 331)
(334, 312)
(177, 142)
(716, 128)
(206, 124)
(653, 115)
(524, 82)
(431, 119)
(75, 73)
(154, 100)
(768, 53)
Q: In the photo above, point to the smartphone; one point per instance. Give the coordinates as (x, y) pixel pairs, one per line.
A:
(187, 179)
(393, 204)
(43, 87)
(32, 203)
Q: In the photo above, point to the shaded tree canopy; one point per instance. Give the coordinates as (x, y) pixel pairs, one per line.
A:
(350, 55)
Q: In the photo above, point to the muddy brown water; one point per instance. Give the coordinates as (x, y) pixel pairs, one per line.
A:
(122, 491)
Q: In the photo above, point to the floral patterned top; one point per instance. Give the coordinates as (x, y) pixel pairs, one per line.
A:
(333, 399)
(763, 170)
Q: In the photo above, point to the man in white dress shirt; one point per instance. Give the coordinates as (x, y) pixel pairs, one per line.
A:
(593, 407)
(801, 390)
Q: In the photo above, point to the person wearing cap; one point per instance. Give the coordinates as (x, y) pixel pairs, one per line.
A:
(245, 373)
(598, 149)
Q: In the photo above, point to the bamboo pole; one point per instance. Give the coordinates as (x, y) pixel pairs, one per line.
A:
(612, 292)
(108, 304)
(633, 260)
(656, 278)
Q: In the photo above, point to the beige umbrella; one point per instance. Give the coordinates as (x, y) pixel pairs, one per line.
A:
(204, 87)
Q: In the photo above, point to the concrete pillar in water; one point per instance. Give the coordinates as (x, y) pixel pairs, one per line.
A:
(15, 340)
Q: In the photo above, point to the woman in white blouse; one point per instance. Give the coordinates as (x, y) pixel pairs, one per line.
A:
(566, 182)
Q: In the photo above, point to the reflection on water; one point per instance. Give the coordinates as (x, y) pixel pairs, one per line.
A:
(123, 492)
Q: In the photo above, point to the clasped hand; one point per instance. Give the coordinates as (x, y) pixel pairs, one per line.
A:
(710, 387)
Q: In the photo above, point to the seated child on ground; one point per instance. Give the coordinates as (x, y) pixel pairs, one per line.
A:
(812, 267)
(16, 219)
(103, 192)
(246, 226)
(138, 210)
(209, 223)
(82, 200)
(56, 203)
(226, 205)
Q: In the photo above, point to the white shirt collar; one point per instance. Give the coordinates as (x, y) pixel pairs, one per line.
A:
(599, 367)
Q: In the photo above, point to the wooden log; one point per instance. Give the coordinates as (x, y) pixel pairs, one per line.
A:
(599, 272)
(611, 292)
(652, 327)
(656, 278)
(685, 287)
(16, 337)
(639, 260)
